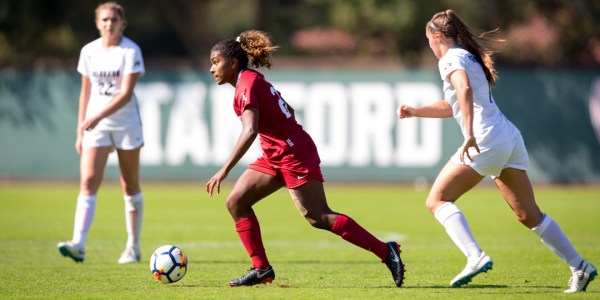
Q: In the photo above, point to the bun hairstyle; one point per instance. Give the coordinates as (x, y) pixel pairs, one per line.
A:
(451, 26)
(115, 7)
(252, 48)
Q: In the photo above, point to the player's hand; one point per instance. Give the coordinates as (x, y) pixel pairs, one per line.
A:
(89, 124)
(405, 111)
(215, 181)
(468, 143)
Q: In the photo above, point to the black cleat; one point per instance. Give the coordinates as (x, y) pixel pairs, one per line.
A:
(254, 276)
(394, 263)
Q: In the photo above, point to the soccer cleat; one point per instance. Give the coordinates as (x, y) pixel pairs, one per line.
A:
(129, 256)
(475, 265)
(75, 252)
(394, 263)
(255, 276)
(582, 277)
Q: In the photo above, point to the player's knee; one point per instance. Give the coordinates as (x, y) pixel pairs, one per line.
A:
(234, 207)
(528, 219)
(435, 200)
(231, 205)
(89, 184)
(432, 204)
(319, 222)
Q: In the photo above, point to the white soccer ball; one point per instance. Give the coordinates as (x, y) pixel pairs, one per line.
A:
(168, 264)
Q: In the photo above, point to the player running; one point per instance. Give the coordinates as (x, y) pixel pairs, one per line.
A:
(289, 159)
(108, 118)
(492, 146)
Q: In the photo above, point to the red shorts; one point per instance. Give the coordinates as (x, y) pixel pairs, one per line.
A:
(295, 173)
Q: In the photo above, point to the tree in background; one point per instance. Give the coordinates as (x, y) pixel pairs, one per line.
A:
(548, 33)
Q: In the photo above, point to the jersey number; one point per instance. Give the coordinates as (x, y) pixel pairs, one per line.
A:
(105, 88)
(282, 104)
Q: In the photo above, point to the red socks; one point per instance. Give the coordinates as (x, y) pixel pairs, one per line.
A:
(249, 231)
(350, 231)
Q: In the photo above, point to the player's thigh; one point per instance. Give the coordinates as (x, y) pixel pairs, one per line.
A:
(452, 182)
(92, 164)
(252, 186)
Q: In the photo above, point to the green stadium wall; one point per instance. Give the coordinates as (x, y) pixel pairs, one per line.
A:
(190, 126)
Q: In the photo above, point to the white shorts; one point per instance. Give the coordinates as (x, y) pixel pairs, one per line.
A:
(491, 161)
(120, 139)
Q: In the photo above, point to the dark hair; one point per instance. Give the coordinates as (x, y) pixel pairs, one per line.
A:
(451, 26)
(251, 47)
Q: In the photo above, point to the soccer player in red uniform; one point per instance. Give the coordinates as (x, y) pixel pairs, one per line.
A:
(289, 158)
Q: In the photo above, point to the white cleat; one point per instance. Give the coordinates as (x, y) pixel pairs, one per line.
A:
(129, 256)
(582, 277)
(68, 249)
(475, 265)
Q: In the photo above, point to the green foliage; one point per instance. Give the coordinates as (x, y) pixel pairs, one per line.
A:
(309, 263)
(32, 33)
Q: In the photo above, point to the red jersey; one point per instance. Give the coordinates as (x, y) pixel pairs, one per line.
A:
(282, 139)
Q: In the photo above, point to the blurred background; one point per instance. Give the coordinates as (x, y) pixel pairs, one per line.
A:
(365, 56)
(317, 33)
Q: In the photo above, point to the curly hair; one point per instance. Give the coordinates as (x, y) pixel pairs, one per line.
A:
(251, 48)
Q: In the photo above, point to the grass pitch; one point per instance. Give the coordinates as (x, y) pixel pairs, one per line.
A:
(309, 263)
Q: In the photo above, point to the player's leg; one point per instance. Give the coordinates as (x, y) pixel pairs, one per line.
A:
(251, 187)
(516, 188)
(311, 201)
(92, 164)
(452, 182)
(129, 165)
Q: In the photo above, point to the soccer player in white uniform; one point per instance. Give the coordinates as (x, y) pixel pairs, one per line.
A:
(108, 119)
(492, 146)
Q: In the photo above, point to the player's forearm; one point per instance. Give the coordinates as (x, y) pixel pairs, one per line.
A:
(440, 109)
(245, 140)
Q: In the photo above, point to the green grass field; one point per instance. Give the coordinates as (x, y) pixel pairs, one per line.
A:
(309, 263)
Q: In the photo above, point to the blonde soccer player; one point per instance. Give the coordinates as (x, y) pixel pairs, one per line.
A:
(492, 146)
(109, 118)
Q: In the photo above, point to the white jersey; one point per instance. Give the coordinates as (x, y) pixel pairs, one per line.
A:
(490, 126)
(106, 68)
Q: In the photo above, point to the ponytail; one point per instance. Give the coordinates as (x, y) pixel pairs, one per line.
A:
(258, 47)
(251, 48)
(451, 26)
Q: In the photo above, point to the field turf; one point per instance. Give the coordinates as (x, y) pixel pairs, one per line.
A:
(309, 263)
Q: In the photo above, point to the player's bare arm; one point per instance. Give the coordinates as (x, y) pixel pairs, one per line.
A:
(440, 109)
(249, 132)
(128, 83)
(464, 93)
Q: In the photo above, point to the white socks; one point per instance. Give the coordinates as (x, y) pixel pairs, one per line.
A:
(553, 237)
(450, 216)
(84, 215)
(457, 228)
(134, 211)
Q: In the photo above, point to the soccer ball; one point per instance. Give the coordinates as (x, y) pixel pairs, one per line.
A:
(168, 264)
